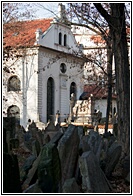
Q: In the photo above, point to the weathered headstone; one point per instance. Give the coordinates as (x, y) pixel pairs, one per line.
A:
(68, 147)
(93, 178)
(20, 135)
(94, 140)
(49, 169)
(11, 177)
(34, 188)
(50, 127)
(26, 167)
(33, 129)
(28, 163)
(39, 137)
(9, 124)
(46, 138)
(84, 146)
(14, 143)
(36, 147)
(113, 156)
(56, 138)
(5, 145)
(31, 173)
(80, 131)
(71, 186)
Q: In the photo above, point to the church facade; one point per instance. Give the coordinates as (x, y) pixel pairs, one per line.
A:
(42, 67)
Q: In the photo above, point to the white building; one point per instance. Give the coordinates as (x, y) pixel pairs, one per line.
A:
(94, 47)
(42, 68)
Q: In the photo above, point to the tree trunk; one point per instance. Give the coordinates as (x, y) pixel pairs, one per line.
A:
(117, 26)
(109, 98)
(122, 76)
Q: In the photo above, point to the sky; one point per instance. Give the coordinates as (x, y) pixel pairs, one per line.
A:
(50, 11)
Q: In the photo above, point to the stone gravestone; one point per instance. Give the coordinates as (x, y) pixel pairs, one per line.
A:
(34, 188)
(33, 129)
(68, 147)
(94, 140)
(26, 167)
(5, 144)
(9, 124)
(93, 178)
(113, 156)
(36, 148)
(70, 186)
(51, 129)
(11, 177)
(31, 174)
(49, 169)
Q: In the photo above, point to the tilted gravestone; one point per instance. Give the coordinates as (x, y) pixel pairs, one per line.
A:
(34, 188)
(68, 147)
(71, 186)
(94, 140)
(91, 141)
(36, 148)
(93, 178)
(31, 174)
(113, 156)
(49, 169)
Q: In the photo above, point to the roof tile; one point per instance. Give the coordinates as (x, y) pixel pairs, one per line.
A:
(22, 33)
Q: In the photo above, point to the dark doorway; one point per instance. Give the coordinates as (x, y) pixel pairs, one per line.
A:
(50, 98)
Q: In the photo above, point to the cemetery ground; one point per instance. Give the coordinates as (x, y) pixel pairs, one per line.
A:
(72, 158)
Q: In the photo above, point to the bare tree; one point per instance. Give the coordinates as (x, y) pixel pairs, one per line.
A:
(117, 25)
(110, 22)
(13, 12)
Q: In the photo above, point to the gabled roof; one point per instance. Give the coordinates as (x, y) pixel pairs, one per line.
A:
(98, 92)
(22, 33)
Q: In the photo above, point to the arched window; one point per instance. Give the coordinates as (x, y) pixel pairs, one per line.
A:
(114, 110)
(14, 111)
(65, 40)
(60, 38)
(63, 67)
(50, 98)
(13, 84)
(73, 89)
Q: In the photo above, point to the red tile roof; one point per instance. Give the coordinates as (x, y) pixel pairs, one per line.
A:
(97, 91)
(97, 39)
(22, 33)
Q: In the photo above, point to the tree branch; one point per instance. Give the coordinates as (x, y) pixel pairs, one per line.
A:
(104, 13)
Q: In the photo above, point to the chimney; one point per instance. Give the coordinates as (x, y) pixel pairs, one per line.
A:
(38, 35)
(62, 12)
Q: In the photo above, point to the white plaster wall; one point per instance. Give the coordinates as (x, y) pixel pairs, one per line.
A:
(26, 69)
(31, 87)
(101, 105)
(50, 38)
(62, 93)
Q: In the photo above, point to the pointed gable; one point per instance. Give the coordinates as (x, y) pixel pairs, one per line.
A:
(22, 33)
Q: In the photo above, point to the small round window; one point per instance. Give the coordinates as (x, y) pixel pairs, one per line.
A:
(63, 67)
